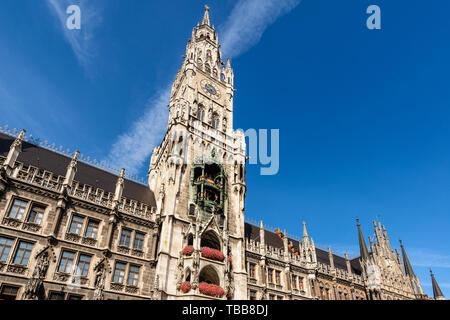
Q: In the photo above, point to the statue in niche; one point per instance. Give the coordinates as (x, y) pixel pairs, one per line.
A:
(99, 283)
(34, 284)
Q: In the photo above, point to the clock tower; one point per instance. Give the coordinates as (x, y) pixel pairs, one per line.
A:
(198, 177)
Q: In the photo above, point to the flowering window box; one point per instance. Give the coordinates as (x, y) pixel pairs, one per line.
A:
(212, 254)
(188, 250)
(211, 290)
(186, 287)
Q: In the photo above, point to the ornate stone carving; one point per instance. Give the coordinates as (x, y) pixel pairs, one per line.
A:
(131, 289)
(31, 227)
(14, 268)
(124, 250)
(99, 284)
(11, 222)
(34, 284)
(117, 286)
(73, 237)
(89, 241)
(137, 253)
(62, 277)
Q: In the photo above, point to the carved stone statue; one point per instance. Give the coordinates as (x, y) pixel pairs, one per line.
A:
(100, 276)
(33, 285)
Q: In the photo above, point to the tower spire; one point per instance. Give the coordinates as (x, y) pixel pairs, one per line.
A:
(437, 293)
(408, 268)
(362, 243)
(206, 19)
(305, 233)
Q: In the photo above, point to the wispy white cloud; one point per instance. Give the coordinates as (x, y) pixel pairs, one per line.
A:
(243, 29)
(248, 21)
(427, 258)
(81, 41)
(133, 148)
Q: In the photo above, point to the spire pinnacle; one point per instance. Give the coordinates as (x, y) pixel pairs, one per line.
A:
(437, 293)
(408, 268)
(305, 232)
(206, 16)
(362, 243)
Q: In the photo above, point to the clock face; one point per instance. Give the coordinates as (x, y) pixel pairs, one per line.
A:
(210, 89)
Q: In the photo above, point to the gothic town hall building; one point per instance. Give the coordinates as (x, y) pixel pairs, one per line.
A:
(70, 229)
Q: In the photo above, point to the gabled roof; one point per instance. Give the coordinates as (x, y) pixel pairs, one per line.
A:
(57, 164)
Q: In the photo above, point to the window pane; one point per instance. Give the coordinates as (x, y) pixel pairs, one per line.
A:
(56, 296)
(18, 209)
(36, 215)
(23, 253)
(139, 241)
(83, 265)
(5, 248)
(76, 225)
(119, 272)
(9, 292)
(133, 276)
(66, 262)
(91, 230)
(125, 238)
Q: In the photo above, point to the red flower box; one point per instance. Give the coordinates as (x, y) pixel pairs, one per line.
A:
(186, 287)
(211, 290)
(188, 250)
(212, 254)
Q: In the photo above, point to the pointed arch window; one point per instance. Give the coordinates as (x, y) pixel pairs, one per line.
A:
(201, 113)
(215, 121)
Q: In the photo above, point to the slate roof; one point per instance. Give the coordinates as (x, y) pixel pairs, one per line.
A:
(273, 240)
(86, 174)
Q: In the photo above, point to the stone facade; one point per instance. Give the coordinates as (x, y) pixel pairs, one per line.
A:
(69, 230)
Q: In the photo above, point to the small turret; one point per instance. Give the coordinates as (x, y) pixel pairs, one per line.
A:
(14, 151)
(71, 170)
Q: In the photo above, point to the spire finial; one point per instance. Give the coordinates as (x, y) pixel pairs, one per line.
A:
(362, 243)
(437, 293)
(206, 16)
(408, 268)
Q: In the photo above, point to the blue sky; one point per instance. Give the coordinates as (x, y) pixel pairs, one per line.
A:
(363, 115)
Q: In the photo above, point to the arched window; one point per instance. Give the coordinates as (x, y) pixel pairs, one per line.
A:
(200, 63)
(215, 121)
(188, 275)
(222, 77)
(200, 113)
(209, 275)
(210, 240)
(215, 72)
(190, 239)
(207, 68)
